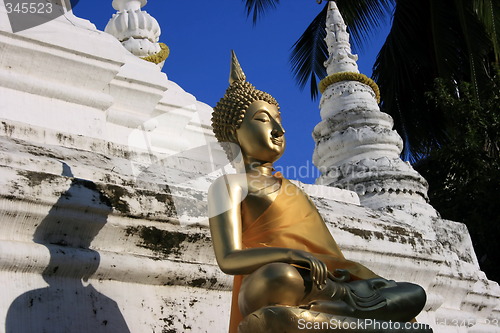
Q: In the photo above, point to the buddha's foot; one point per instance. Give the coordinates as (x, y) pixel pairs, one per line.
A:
(376, 298)
(386, 300)
(284, 319)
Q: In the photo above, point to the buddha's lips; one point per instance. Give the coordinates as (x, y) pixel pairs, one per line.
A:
(277, 141)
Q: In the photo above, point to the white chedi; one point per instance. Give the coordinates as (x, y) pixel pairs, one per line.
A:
(137, 30)
(356, 146)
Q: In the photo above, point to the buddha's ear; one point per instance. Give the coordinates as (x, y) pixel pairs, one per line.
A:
(233, 135)
(237, 158)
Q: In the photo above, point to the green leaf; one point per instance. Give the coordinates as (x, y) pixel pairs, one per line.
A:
(257, 8)
(309, 53)
(364, 17)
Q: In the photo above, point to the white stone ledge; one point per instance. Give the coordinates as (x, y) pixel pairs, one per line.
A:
(352, 118)
(25, 54)
(38, 86)
(329, 192)
(67, 262)
(326, 156)
(346, 95)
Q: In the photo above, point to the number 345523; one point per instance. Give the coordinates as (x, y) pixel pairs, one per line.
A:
(29, 7)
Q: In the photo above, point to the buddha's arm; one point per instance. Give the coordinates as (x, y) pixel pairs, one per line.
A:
(224, 201)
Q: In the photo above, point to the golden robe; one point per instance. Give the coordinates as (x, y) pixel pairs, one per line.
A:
(292, 221)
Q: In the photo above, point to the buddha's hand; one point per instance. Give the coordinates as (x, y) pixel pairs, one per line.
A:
(319, 271)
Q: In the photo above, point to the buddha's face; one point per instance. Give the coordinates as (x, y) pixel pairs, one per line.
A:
(261, 134)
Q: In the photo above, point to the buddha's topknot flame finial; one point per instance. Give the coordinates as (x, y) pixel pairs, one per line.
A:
(236, 73)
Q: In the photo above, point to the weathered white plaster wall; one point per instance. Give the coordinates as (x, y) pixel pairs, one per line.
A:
(100, 229)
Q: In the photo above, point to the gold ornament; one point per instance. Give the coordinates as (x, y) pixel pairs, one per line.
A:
(349, 76)
(159, 57)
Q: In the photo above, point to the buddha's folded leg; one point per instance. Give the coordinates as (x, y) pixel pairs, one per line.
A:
(275, 283)
(286, 285)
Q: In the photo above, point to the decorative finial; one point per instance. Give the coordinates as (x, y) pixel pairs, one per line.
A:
(138, 31)
(236, 72)
(340, 58)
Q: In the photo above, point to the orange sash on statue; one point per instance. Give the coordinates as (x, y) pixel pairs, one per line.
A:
(292, 221)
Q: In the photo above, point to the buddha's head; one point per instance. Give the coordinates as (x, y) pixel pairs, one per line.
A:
(249, 118)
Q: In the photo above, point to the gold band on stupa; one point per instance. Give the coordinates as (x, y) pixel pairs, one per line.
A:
(230, 110)
(159, 57)
(349, 76)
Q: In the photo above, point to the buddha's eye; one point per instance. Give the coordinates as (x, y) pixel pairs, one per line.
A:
(263, 117)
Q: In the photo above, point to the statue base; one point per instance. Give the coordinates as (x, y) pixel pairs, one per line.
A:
(284, 319)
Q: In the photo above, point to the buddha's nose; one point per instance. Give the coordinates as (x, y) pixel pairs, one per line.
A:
(278, 130)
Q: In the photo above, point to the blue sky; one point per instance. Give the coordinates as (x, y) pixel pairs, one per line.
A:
(200, 35)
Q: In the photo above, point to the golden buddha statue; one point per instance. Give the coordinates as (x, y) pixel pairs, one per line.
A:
(289, 272)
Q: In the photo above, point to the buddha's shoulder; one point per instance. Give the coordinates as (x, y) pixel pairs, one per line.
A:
(230, 181)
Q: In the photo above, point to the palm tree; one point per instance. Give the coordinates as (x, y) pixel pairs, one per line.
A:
(453, 39)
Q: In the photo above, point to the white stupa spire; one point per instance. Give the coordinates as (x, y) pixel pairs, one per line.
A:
(356, 147)
(341, 58)
(138, 31)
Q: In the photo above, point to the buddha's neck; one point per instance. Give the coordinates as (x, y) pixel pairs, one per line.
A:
(259, 168)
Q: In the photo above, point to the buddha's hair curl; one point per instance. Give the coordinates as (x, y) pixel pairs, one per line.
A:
(230, 110)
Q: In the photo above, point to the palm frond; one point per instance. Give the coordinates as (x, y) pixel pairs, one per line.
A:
(309, 54)
(404, 70)
(488, 13)
(428, 39)
(257, 8)
(310, 51)
(364, 17)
